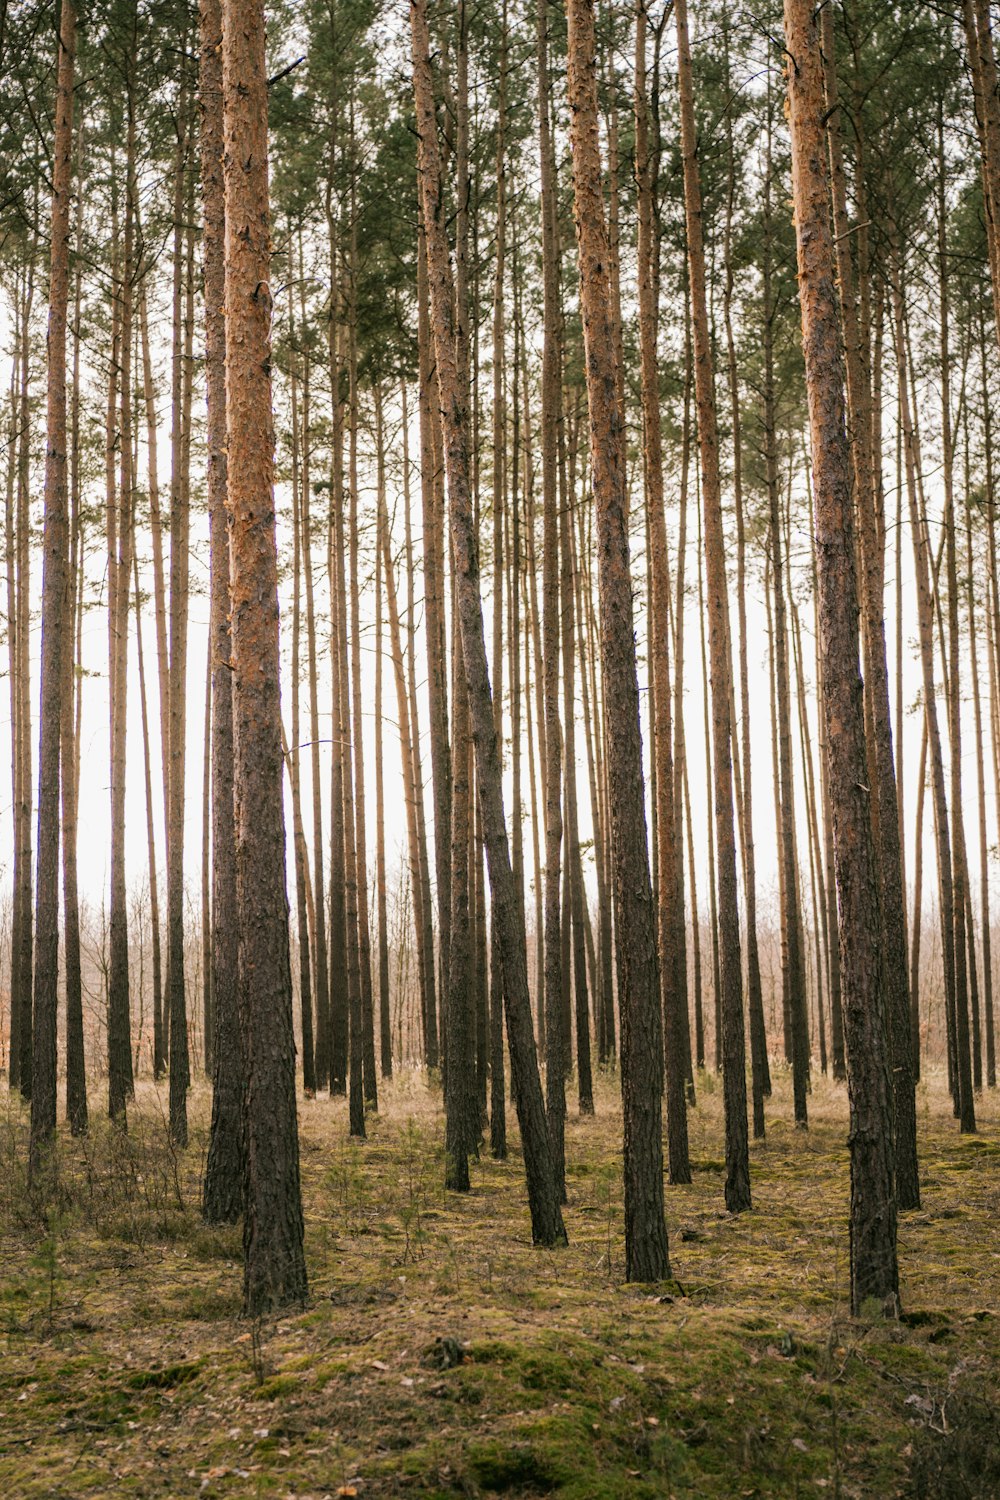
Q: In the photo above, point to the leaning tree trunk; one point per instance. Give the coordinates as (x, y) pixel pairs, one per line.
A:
(874, 1269)
(274, 1263)
(646, 1252)
(546, 1215)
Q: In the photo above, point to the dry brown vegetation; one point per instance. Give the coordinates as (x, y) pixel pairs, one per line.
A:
(440, 1354)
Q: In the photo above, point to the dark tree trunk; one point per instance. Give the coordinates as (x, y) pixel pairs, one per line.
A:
(646, 1253)
(274, 1264)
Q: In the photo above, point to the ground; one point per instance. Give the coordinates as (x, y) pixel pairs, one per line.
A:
(441, 1355)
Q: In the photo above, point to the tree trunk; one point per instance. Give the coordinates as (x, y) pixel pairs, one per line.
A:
(274, 1264)
(646, 1253)
(55, 638)
(547, 1225)
(731, 974)
(670, 908)
(874, 1271)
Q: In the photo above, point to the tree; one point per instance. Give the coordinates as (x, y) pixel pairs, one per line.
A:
(274, 1262)
(731, 971)
(222, 1198)
(546, 1216)
(43, 1091)
(646, 1252)
(874, 1269)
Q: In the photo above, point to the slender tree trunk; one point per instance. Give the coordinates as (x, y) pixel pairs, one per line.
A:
(547, 1225)
(274, 1264)
(180, 544)
(76, 1072)
(670, 908)
(55, 639)
(874, 1270)
(646, 1253)
(556, 1043)
(498, 1113)
(119, 1024)
(731, 973)
(223, 1192)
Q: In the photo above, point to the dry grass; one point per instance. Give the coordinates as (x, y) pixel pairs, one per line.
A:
(125, 1368)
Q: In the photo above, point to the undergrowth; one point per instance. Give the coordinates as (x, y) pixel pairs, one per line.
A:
(441, 1355)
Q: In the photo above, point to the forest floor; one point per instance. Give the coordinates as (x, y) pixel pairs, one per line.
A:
(440, 1354)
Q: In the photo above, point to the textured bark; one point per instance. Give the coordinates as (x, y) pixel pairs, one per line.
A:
(381, 902)
(76, 1072)
(23, 968)
(670, 907)
(222, 1198)
(274, 1264)
(498, 1115)
(547, 1225)
(119, 1043)
(316, 1055)
(760, 1071)
(646, 1253)
(874, 1270)
(871, 518)
(423, 909)
(556, 1039)
(55, 638)
(369, 1070)
(305, 907)
(180, 544)
(434, 629)
(960, 876)
(421, 914)
(730, 993)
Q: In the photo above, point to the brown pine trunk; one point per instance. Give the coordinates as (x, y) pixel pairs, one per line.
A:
(369, 1069)
(180, 544)
(874, 1271)
(305, 909)
(274, 1264)
(547, 1225)
(422, 918)
(434, 631)
(556, 1043)
(646, 1253)
(670, 908)
(21, 990)
(731, 973)
(76, 1072)
(54, 599)
(223, 1191)
(319, 1064)
(498, 1113)
(760, 1072)
(119, 1028)
(866, 460)
(381, 895)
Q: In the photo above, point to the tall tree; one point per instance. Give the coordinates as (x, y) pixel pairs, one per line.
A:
(731, 972)
(874, 1268)
(646, 1252)
(222, 1197)
(274, 1262)
(55, 639)
(546, 1216)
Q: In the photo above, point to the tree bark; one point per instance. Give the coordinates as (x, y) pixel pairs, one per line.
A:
(874, 1270)
(55, 639)
(547, 1224)
(646, 1252)
(274, 1263)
